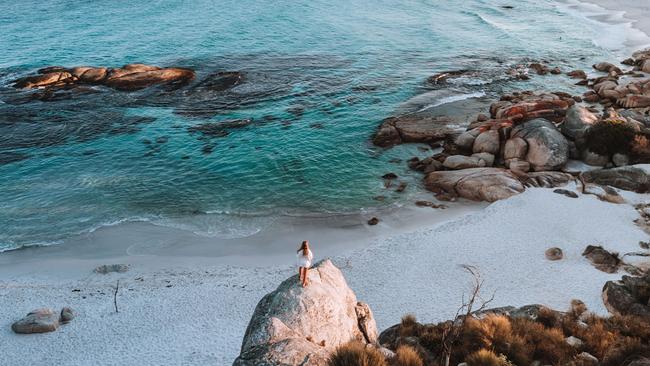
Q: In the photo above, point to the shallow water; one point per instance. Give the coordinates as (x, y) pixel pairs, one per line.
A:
(319, 76)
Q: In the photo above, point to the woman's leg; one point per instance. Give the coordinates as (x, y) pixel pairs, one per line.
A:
(300, 273)
(305, 282)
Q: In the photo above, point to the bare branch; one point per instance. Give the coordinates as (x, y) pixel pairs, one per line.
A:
(117, 287)
(454, 329)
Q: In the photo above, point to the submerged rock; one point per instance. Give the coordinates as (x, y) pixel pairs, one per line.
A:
(397, 130)
(129, 77)
(302, 326)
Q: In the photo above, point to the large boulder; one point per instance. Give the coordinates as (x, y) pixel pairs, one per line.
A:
(478, 184)
(578, 119)
(630, 178)
(487, 142)
(302, 326)
(548, 149)
(413, 128)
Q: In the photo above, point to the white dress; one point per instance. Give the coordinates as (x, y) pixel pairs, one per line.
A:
(304, 260)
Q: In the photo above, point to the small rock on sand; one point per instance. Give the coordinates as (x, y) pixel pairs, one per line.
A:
(37, 321)
(566, 192)
(373, 221)
(554, 254)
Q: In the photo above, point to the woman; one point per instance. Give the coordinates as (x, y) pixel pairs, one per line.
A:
(304, 256)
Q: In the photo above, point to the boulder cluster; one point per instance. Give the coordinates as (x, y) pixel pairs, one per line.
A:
(528, 137)
(127, 78)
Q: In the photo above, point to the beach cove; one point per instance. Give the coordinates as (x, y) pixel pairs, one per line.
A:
(194, 278)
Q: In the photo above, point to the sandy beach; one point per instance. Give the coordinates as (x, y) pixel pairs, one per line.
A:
(208, 306)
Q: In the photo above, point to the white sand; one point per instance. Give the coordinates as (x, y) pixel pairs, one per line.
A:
(622, 25)
(202, 317)
(636, 10)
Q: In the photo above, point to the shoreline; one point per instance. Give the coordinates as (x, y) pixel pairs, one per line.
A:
(153, 247)
(628, 17)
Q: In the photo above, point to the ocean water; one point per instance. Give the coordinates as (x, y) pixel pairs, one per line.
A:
(319, 76)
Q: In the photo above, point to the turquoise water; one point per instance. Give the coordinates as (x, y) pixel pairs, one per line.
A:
(319, 76)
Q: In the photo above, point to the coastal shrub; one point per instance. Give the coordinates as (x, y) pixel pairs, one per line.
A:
(484, 357)
(630, 325)
(610, 137)
(409, 326)
(407, 356)
(356, 353)
(431, 337)
(625, 350)
(577, 308)
(547, 317)
(614, 340)
(596, 338)
(543, 344)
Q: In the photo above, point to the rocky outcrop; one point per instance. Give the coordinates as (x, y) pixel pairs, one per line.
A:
(397, 130)
(128, 77)
(629, 178)
(477, 184)
(629, 296)
(302, 326)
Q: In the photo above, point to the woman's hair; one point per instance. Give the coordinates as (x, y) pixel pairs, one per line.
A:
(304, 247)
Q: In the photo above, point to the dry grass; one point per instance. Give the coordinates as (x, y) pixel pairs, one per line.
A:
(356, 354)
(407, 356)
(409, 326)
(485, 357)
(501, 340)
